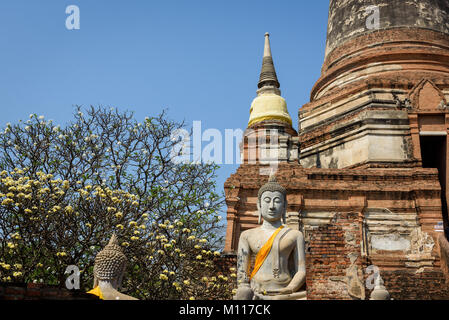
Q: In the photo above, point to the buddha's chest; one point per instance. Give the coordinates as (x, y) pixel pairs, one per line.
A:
(283, 245)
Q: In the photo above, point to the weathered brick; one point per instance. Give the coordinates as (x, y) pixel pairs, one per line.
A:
(33, 293)
(13, 297)
(15, 291)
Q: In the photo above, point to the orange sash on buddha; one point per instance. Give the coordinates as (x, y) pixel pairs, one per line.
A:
(263, 252)
(96, 291)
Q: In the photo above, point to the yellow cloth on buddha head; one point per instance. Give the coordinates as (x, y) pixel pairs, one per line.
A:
(263, 252)
(96, 291)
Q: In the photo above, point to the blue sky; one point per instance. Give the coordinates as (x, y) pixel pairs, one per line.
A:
(200, 59)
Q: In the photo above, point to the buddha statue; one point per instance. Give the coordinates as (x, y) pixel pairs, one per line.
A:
(109, 268)
(279, 270)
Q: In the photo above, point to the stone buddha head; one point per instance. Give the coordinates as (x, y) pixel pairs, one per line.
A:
(272, 201)
(110, 264)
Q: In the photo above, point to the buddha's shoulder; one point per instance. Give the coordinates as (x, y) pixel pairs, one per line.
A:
(250, 232)
(115, 295)
(295, 233)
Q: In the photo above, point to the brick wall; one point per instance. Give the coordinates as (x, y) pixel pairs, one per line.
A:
(31, 291)
(225, 262)
(334, 263)
(406, 284)
(444, 253)
(333, 253)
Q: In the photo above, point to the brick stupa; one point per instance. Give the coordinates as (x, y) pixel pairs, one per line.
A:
(366, 172)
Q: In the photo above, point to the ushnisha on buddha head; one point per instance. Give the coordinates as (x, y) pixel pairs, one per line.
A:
(110, 264)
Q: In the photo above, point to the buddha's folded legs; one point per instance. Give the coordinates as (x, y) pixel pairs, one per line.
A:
(301, 295)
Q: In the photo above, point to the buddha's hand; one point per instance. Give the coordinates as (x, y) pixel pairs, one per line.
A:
(286, 290)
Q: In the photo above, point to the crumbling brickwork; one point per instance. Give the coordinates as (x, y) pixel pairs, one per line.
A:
(408, 285)
(334, 264)
(444, 249)
(32, 291)
(347, 19)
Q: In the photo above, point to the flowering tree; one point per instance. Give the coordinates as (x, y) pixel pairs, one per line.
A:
(65, 191)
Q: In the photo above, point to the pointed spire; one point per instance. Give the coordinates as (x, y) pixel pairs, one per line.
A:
(113, 244)
(267, 48)
(269, 104)
(268, 75)
(113, 240)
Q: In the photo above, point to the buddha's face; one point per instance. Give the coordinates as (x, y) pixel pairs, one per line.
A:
(272, 206)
